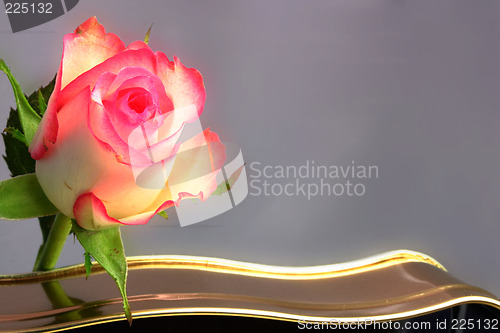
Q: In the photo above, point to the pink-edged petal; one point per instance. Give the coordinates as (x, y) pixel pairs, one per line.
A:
(197, 164)
(46, 132)
(155, 175)
(137, 45)
(147, 143)
(144, 218)
(78, 163)
(62, 158)
(160, 142)
(103, 130)
(89, 46)
(135, 151)
(194, 172)
(127, 74)
(86, 48)
(184, 86)
(102, 86)
(175, 120)
(144, 141)
(133, 76)
(121, 117)
(90, 213)
(135, 80)
(144, 58)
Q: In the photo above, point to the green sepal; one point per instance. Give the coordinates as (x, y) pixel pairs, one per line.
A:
(228, 184)
(163, 214)
(29, 118)
(106, 247)
(22, 198)
(146, 38)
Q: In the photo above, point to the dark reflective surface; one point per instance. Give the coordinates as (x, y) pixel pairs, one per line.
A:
(392, 287)
(476, 312)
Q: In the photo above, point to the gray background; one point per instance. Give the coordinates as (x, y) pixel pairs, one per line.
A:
(409, 86)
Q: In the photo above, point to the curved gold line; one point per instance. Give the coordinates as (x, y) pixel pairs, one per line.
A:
(262, 314)
(250, 299)
(235, 267)
(266, 271)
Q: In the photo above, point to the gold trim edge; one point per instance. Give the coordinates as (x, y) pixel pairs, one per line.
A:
(227, 266)
(251, 269)
(262, 314)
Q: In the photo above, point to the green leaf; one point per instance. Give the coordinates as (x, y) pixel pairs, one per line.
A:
(17, 157)
(16, 134)
(29, 118)
(42, 105)
(228, 184)
(106, 247)
(22, 198)
(34, 98)
(88, 264)
(163, 214)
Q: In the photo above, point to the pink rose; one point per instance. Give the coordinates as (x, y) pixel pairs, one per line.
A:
(116, 117)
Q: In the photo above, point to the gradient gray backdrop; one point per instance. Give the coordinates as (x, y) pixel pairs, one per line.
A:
(410, 86)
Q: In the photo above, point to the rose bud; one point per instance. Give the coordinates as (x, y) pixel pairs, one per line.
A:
(115, 117)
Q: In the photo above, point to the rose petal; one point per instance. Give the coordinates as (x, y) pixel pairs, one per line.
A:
(195, 169)
(77, 163)
(184, 86)
(138, 151)
(125, 79)
(103, 130)
(144, 218)
(140, 79)
(51, 167)
(89, 46)
(162, 139)
(101, 87)
(90, 213)
(46, 132)
(82, 50)
(197, 163)
(144, 58)
(137, 45)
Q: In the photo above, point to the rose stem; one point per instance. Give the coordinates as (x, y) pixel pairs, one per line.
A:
(55, 243)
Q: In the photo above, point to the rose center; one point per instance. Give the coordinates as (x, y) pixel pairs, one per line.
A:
(138, 102)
